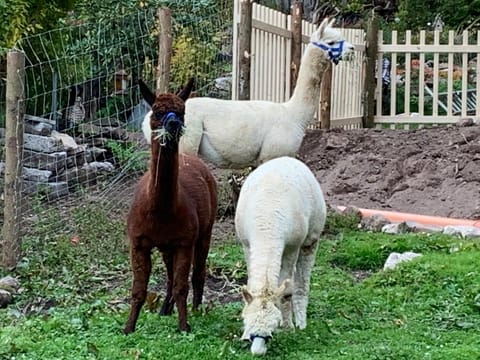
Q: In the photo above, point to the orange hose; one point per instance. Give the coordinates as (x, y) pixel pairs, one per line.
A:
(395, 216)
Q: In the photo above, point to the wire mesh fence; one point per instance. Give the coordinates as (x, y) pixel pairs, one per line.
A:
(83, 149)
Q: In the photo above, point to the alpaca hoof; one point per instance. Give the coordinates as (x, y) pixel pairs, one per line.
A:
(128, 330)
(198, 310)
(186, 328)
(166, 309)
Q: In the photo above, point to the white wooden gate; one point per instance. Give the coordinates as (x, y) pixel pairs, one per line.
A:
(271, 58)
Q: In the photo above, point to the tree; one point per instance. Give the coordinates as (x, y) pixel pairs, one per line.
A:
(19, 18)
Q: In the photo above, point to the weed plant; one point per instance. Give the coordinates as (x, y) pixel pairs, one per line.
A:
(75, 288)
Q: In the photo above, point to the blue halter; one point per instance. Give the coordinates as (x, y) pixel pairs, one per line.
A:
(334, 53)
(265, 338)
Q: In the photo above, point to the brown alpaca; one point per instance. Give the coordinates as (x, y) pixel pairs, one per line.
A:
(173, 210)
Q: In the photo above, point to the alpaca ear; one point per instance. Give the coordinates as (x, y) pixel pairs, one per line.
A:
(322, 27)
(247, 297)
(185, 92)
(147, 94)
(330, 24)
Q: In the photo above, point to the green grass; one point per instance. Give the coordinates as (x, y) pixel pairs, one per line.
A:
(73, 303)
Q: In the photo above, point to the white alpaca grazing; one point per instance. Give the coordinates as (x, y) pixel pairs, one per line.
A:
(280, 216)
(237, 134)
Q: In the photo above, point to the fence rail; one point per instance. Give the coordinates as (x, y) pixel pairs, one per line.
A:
(73, 139)
(434, 77)
(271, 64)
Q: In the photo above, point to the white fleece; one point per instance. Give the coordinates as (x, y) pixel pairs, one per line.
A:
(237, 134)
(281, 213)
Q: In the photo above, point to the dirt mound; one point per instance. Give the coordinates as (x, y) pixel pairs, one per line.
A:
(431, 171)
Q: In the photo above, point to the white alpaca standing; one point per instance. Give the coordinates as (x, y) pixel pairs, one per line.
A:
(237, 134)
(280, 215)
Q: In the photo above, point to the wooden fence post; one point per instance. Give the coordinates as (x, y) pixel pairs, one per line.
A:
(297, 12)
(244, 48)
(370, 81)
(326, 97)
(165, 49)
(11, 247)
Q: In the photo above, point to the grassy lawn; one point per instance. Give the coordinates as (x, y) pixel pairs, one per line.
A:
(74, 300)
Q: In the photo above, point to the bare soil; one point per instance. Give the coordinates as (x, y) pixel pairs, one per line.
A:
(430, 171)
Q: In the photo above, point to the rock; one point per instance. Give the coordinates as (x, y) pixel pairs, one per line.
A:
(77, 176)
(52, 190)
(335, 141)
(352, 211)
(90, 130)
(396, 258)
(422, 228)
(374, 223)
(52, 162)
(223, 83)
(96, 154)
(116, 133)
(396, 228)
(10, 284)
(5, 298)
(103, 166)
(41, 129)
(68, 142)
(42, 144)
(462, 230)
(465, 122)
(36, 175)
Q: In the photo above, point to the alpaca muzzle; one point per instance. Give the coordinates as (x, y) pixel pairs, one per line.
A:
(335, 52)
(173, 125)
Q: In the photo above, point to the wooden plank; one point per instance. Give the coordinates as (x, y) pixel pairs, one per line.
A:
(451, 41)
(235, 57)
(393, 84)
(297, 11)
(378, 76)
(401, 119)
(165, 49)
(465, 75)
(272, 29)
(421, 77)
(428, 48)
(436, 60)
(244, 49)
(326, 98)
(477, 107)
(408, 69)
(370, 82)
(347, 121)
(15, 108)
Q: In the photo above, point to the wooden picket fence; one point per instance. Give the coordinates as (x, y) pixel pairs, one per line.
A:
(434, 74)
(437, 70)
(271, 63)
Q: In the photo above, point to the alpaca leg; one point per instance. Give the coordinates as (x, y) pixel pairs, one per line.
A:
(181, 268)
(286, 272)
(167, 307)
(286, 309)
(200, 268)
(304, 266)
(141, 266)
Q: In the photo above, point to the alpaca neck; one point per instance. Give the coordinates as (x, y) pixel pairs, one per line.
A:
(163, 187)
(264, 267)
(306, 95)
